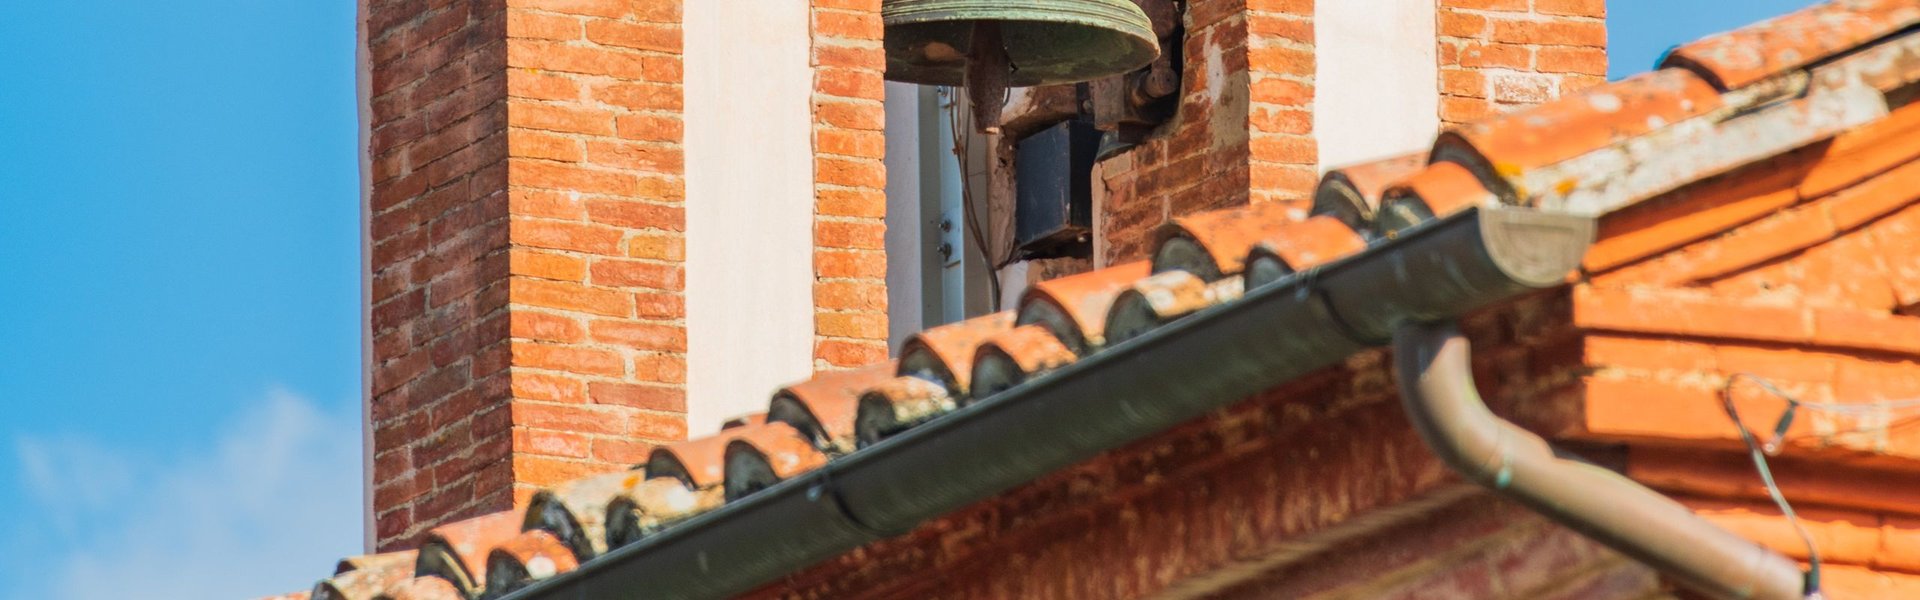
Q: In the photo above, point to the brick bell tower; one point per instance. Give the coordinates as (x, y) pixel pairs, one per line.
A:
(528, 230)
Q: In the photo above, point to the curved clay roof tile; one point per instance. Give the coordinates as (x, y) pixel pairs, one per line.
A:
(825, 407)
(1214, 244)
(1075, 307)
(1741, 57)
(458, 551)
(944, 354)
(1013, 357)
(770, 455)
(527, 558)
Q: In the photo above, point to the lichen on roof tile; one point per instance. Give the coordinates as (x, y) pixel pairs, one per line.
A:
(458, 551)
(1075, 307)
(899, 404)
(824, 408)
(363, 577)
(944, 354)
(770, 455)
(1749, 54)
(576, 512)
(1009, 359)
(654, 505)
(1163, 297)
(529, 557)
(697, 461)
(1500, 148)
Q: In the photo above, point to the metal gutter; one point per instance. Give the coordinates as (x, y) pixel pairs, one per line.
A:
(1180, 371)
(1436, 385)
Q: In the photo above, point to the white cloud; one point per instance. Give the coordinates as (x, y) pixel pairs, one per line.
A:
(266, 508)
(49, 467)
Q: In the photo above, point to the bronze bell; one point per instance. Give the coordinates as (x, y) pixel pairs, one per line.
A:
(991, 45)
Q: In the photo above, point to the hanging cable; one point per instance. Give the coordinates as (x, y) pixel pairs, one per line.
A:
(1759, 455)
(962, 150)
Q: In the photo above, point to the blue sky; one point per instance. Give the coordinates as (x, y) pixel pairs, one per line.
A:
(178, 223)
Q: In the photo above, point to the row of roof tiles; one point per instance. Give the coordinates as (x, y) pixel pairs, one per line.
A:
(1200, 260)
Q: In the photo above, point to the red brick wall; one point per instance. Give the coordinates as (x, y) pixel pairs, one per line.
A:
(1201, 158)
(598, 331)
(1244, 132)
(526, 263)
(1281, 65)
(1499, 54)
(850, 180)
(437, 265)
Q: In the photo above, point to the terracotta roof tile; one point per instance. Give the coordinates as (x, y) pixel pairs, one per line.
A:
(527, 558)
(1861, 153)
(767, 456)
(1501, 148)
(576, 512)
(653, 505)
(369, 561)
(1074, 308)
(1214, 244)
(1163, 297)
(1651, 149)
(825, 407)
(458, 551)
(1749, 54)
(1301, 246)
(1011, 358)
(944, 354)
(421, 588)
(1352, 193)
(363, 577)
(697, 462)
(1439, 190)
(898, 404)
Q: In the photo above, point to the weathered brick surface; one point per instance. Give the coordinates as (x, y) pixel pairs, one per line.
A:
(849, 192)
(1499, 54)
(526, 267)
(1244, 132)
(1202, 158)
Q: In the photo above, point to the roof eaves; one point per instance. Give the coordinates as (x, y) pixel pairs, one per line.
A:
(1123, 393)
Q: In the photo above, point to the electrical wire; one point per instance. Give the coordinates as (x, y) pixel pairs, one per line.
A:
(1811, 587)
(962, 150)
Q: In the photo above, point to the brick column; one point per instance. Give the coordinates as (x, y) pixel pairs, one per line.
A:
(850, 180)
(1282, 65)
(526, 249)
(1498, 54)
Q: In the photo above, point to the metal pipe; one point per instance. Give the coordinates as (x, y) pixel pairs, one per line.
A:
(1436, 385)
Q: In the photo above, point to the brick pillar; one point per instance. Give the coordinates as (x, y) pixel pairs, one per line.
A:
(526, 255)
(1282, 65)
(850, 180)
(1498, 54)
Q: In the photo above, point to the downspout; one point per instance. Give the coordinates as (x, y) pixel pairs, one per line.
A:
(1437, 387)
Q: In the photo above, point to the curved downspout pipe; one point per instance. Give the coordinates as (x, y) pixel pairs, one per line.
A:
(1437, 387)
